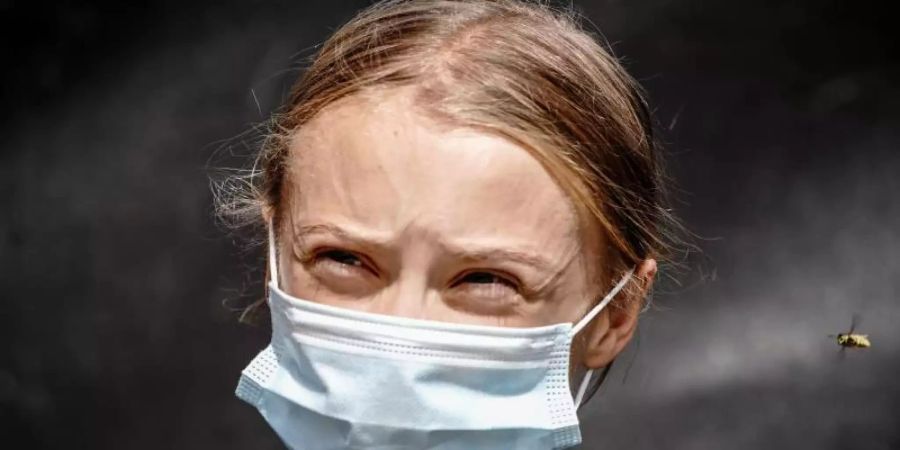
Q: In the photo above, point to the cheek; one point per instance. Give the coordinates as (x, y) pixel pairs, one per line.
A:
(576, 293)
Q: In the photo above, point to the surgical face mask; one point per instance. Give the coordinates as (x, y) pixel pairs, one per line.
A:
(335, 378)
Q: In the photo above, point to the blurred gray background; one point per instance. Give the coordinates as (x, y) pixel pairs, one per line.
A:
(120, 291)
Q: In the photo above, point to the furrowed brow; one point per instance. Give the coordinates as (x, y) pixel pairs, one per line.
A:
(357, 236)
(498, 253)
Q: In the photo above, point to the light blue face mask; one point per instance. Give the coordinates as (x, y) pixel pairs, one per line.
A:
(335, 378)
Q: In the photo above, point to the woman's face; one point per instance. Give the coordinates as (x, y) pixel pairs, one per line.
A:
(388, 213)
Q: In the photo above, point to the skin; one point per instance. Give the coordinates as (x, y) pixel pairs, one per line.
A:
(388, 212)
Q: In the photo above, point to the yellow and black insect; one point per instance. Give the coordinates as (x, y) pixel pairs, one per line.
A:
(851, 339)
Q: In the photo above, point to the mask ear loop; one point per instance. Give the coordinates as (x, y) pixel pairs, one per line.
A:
(587, 319)
(649, 302)
(593, 387)
(273, 266)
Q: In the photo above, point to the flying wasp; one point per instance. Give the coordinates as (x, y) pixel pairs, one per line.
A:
(851, 339)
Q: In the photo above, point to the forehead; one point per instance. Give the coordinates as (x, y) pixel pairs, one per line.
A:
(377, 162)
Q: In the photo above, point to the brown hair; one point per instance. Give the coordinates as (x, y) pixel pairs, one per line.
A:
(524, 70)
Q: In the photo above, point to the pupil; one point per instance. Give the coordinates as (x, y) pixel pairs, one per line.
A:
(343, 258)
(482, 277)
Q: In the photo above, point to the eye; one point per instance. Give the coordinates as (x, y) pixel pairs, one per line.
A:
(487, 284)
(342, 257)
(485, 278)
(339, 262)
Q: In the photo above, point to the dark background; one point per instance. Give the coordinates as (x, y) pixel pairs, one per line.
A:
(119, 290)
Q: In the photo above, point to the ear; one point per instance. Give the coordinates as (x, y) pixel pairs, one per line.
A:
(615, 325)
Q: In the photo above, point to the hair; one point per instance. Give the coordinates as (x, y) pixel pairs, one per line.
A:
(524, 70)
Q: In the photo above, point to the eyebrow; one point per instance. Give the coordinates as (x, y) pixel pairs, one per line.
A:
(494, 253)
(471, 253)
(359, 236)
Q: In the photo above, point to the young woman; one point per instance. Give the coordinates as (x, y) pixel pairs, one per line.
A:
(465, 214)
